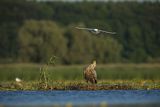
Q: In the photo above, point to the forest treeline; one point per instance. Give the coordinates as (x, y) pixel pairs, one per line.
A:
(32, 32)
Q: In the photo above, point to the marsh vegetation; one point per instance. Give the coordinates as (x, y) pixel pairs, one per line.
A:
(111, 76)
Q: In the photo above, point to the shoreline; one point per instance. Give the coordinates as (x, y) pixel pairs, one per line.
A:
(79, 85)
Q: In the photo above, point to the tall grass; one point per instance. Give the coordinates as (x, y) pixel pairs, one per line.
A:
(31, 72)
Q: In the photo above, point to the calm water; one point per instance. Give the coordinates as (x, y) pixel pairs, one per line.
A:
(109, 98)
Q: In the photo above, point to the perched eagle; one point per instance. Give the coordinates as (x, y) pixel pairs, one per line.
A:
(90, 74)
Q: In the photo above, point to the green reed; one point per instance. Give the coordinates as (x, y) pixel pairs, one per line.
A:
(44, 73)
(32, 72)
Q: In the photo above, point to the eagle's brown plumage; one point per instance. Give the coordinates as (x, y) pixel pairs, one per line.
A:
(90, 74)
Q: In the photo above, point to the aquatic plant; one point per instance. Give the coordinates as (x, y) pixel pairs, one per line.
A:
(44, 74)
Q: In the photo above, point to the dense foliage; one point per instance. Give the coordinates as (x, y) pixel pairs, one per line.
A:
(33, 31)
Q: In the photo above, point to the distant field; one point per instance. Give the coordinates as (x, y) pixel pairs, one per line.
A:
(31, 72)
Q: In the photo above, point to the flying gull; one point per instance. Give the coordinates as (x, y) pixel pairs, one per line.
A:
(95, 31)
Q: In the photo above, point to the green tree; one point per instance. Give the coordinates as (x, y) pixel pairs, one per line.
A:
(137, 25)
(20, 10)
(107, 49)
(8, 42)
(79, 46)
(136, 49)
(39, 40)
(83, 47)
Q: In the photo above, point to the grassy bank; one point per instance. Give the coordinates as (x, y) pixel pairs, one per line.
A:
(111, 76)
(31, 72)
(81, 85)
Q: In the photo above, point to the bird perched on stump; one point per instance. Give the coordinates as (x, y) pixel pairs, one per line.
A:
(90, 74)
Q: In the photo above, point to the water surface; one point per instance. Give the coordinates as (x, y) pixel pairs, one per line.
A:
(108, 97)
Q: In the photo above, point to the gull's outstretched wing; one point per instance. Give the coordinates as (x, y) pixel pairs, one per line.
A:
(107, 32)
(84, 28)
